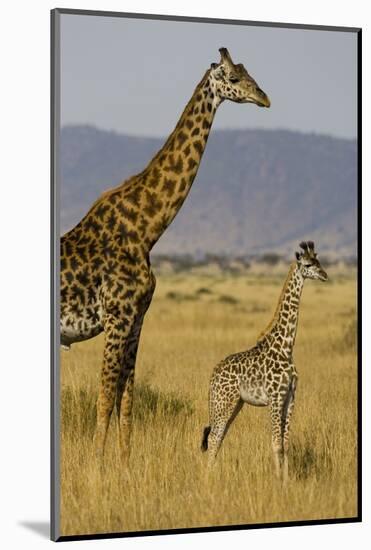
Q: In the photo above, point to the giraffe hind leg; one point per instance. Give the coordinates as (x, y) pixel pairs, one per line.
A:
(220, 425)
(124, 405)
(286, 419)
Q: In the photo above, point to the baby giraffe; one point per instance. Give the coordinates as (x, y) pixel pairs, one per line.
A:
(265, 374)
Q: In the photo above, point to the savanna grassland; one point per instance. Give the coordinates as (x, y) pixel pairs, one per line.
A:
(194, 321)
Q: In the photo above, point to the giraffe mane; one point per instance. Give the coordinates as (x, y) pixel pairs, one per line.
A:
(153, 161)
(274, 319)
(112, 191)
(180, 120)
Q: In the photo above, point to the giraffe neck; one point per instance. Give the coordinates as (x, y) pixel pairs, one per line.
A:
(168, 178)
(284, 324)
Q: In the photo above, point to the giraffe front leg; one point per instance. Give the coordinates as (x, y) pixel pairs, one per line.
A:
(125, 386)
(116, 335)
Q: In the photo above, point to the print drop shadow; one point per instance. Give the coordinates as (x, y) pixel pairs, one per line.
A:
(42, 528)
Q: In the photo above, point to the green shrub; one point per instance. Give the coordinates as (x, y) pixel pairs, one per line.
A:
(148, 402)
(227, 299)
(79, 409)
(203, 290)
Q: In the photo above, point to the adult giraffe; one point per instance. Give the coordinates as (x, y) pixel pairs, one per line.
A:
(106, 279)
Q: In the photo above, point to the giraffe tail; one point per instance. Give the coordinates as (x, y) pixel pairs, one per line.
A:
(204, 444)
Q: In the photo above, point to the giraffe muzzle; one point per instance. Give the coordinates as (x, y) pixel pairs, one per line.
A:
(261, 99)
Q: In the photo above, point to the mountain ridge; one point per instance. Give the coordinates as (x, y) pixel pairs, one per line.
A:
(256, 190)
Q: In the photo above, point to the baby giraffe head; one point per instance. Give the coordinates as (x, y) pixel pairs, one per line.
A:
(233, 82)
(308, 263)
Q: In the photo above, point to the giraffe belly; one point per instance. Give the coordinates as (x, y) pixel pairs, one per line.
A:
(79, 327)
(254, 395)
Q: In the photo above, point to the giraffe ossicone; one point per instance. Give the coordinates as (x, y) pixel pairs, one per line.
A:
(107, 282)
(264, 375)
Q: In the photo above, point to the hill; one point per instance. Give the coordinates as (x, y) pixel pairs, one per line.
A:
(256, 190)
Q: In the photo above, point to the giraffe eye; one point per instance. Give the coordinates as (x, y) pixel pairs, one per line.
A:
(233, 79)
(308, 265)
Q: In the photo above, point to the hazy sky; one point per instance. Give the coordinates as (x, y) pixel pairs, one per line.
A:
(136, 76)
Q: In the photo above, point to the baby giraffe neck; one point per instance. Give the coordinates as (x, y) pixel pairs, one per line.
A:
(284, 324)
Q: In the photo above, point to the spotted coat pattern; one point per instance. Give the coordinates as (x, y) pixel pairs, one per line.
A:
(106, 279)
(264, 375)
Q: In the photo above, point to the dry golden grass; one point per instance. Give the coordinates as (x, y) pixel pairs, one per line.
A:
(194, 321)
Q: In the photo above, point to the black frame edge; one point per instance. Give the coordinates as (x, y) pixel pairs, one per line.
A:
(359, 265)
(52, 267)
(54, 287)
(191, 530)
(194, 19)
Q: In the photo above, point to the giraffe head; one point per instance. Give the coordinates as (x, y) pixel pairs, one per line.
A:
(234, 82)
(308, 263)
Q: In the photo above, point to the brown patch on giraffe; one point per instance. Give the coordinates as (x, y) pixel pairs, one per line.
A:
(134, 197)
(155, 177)
(198, 146)
(128, 213)
(183, 185)
(175, 166)
(191, 163)
(161, 159)
(189, 123)
(187, 150)
(182, 137)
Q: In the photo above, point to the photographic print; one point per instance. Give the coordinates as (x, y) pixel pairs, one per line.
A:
(205, 195)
